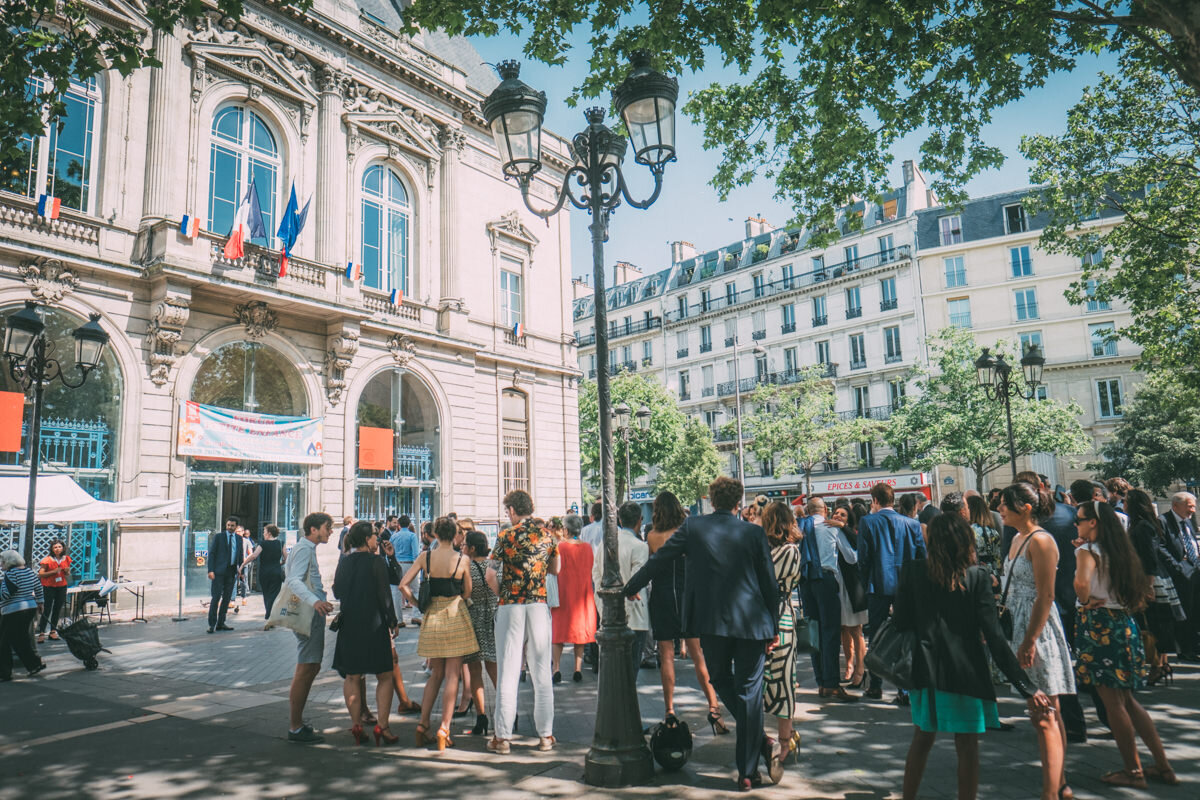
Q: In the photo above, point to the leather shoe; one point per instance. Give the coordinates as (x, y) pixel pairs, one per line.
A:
(838, 695)
(1077, 737)
(224, 628)
(211, 629)
(873, 694)
(901, 699)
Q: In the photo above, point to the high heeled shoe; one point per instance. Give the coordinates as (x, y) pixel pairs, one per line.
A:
(360, 736)
(718, 724)
(857, 684)
(481, 725)
(421, 734)
(470, 707)
(443, 739)
(793, 747)
(385, 735)
(408, 707)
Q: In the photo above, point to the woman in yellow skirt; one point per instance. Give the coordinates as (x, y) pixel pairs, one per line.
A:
(446, 632)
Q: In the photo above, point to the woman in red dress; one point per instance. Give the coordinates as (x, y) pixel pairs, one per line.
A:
(574, 620)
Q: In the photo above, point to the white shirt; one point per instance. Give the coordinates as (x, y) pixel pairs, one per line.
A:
(632, 553)
(593, 533)
(303, 573)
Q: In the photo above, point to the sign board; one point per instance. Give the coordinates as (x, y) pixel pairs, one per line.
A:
(220, 433)
(948, 480)
(901, 483)
(640, 494)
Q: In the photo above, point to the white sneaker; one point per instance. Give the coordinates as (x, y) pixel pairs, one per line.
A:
(546, 743)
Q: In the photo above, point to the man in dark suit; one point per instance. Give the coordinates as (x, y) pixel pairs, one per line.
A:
(1179, 525)
(886, 540)
(224, 558)
(731, 601)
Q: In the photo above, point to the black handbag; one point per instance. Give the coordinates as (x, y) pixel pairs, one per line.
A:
(1002, 612)
(671, 743)
(424, 594)
(806, 635)
(891, 655)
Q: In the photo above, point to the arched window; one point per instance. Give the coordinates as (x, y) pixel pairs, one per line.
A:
(243, 147)
(385, 216)
(515, 412)
(246, 376)
(62, 161)
(397, 447)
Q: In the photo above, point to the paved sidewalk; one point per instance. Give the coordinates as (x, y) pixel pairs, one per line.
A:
(176, 713)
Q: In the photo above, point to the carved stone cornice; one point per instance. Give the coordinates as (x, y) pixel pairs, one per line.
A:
(163, 335)
(257, 318)
(449, 138)
(48, 278)
(509, 226)
(342, 345)
(402, 348)
(331, 80)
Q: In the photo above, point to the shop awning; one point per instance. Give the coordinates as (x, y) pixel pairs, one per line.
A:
(60, 499)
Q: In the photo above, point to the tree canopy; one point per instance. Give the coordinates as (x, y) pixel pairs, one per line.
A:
(828, 88)
(56, 41)
(953, 422)
(691, 465)
(1158, 440)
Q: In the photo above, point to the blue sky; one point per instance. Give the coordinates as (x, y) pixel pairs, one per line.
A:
(688, 208)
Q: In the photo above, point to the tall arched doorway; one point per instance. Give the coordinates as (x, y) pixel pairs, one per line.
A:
(80, 433)
(243, 376)
(397, 448)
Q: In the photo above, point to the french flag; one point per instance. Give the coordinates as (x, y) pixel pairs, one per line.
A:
(397, 297)
(48, 206)
(247, 224)
(519, 330)
(189, 226)
(353, 271)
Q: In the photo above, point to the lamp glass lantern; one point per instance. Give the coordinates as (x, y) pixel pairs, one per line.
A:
(514, 112)
(646, 102)
(643, 418)
(90, 341)
(622, 414)
(22, 330)
(985, 369)
(1032, 363)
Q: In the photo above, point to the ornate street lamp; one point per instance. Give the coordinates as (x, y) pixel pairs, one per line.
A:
(995, 376)
(32, 364)
(627, 433)
(595, 183)
(737, 402)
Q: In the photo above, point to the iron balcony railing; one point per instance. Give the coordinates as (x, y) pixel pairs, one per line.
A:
(619, 331)
(877, 413)
(622, 366)
(758, 335)
(861, 364)
(888, 305)
(684, 394)
(681, 352)
(789, 327)
(823, 319)
(706, 347)
(729, 341)
(892, 358)
(707, 391)
(854, 313)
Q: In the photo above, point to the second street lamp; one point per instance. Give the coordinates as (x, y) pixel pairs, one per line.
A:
(627, 433)
(995, 375)
(595, 183)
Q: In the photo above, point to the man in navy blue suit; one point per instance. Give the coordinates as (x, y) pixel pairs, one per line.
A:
(731, 601)
(886, 540)
(224, 558)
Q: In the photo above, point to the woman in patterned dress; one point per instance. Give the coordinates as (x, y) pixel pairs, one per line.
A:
(779, 693)
(483, 620)
(1110, 585)
(1038, 638)
(446, 632)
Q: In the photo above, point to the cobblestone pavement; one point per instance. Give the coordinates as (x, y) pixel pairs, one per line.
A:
(176, 713)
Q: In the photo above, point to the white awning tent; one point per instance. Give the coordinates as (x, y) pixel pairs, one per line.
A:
(61, 500)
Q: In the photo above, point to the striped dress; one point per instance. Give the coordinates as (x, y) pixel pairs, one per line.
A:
(20, 590)
(779, 691)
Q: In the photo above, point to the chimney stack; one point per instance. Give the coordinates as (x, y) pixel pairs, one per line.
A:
(682, 251)
(580, 287)
(624, 272)
(757, 225)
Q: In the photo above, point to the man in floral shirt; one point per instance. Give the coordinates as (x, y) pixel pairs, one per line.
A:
(527, 552)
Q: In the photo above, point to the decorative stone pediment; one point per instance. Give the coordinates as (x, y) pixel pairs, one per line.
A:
(402, 348)
(257, 318)
(395, 129)
(510, 227)
(48, 278)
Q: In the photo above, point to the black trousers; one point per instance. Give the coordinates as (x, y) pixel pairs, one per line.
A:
(223, 583)
(271, 581)
(56, 601)
(879, 609)
(14, 637)
(822, 603)
(736, 668)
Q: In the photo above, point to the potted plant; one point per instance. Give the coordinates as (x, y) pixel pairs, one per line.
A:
(760, 252)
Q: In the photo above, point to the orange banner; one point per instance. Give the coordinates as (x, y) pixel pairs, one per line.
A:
(375, 449)
(12, 408)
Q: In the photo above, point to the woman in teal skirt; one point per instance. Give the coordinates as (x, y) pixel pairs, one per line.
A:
(1111, 585)
(946, 602)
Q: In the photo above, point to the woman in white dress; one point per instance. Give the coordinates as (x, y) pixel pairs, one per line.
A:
(853, 643)
(1037, 636)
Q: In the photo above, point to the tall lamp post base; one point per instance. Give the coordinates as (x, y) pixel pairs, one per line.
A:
(619, 755)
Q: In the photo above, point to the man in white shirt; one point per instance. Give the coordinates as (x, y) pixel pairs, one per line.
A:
(822, 602)
(632, 553)
(304, 579)
(593, 532)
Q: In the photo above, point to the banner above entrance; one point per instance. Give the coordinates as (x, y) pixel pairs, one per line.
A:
(219, 433)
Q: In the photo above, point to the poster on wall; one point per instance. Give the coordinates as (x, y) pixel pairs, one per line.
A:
(220, 433)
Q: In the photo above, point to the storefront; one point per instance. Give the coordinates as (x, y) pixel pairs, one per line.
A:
(861, 487)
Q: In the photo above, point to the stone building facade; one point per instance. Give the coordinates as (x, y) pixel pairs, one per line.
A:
(384, 133)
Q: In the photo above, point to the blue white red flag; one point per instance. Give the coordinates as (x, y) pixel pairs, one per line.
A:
(397, 297)
(48, 206)
(247, 224)
(519, 330)
(353, 271)
(290, 226)
(189, 226)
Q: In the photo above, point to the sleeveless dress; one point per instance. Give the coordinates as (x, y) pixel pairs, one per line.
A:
(1107, 639)
(483, 614)
(573, 620)
(666, 603)
(1053, 669)
(446, 631)
(779, 685)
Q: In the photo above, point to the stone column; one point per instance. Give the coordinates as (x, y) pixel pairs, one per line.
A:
(164, 148)
(331, 167)
(451, 309)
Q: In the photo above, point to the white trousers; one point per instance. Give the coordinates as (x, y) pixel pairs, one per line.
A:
(523, 627)
(397, 603)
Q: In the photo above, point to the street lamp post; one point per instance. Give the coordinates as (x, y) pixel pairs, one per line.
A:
(627, 433)
(994, 374)
(737, 403)
(645, 102)
(32, 364)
